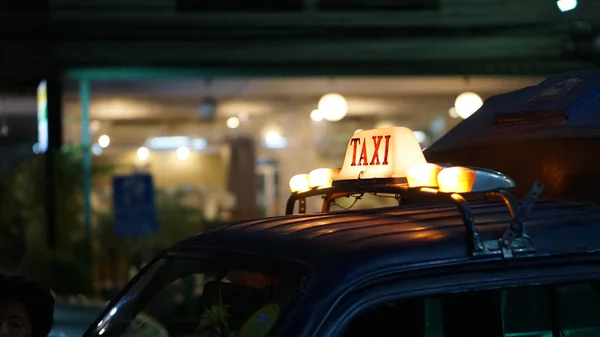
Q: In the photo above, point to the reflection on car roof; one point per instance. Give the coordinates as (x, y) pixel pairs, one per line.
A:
(403, 235)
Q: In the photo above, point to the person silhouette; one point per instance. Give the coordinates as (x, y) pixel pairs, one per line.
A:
(26, 308)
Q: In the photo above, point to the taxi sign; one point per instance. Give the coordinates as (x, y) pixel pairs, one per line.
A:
(392, 158)
(381, 153)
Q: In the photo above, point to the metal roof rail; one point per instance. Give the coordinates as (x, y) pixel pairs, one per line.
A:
(515, 238)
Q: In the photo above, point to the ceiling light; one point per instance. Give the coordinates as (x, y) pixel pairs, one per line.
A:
(167, 143)
(467, 104)
(199, 144)
(183, 153)
(316, 115)
(94, 126)
(170, 143)
(452, 112)
(566, 5)
(104, 141)
(143, 153)
(274, 140)
(96, 150)
(333, 106)
(233, 122)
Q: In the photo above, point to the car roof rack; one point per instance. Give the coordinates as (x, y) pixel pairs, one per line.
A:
(514, 240)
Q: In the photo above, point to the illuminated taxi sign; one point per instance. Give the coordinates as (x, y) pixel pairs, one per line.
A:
(381, 153)
(393, 157)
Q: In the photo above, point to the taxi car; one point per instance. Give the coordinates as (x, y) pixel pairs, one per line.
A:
(458, 256)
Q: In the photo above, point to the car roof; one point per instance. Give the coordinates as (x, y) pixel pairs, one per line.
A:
(409, 235)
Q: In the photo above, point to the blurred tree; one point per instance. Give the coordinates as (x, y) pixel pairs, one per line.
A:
(177, 218)
(23, 216)
(12, 229)
(67, 269)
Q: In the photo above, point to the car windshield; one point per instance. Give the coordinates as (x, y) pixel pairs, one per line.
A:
(202, 297)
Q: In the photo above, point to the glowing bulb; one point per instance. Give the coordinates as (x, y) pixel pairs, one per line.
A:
(143, 153)
(272, 136)
(316, 115)
(299, 183)
(274, 140)
(94, 126)
(423, 175)
(467, 104)
(333, 106)
(183, 153)
(322, 177)
(104, 141)
(96, 150)
(566, 5)
(452, 112)
(456, 179)
(233, 122)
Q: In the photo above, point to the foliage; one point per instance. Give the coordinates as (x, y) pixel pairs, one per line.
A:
(23, 197)
(62, 272)
(12, 236)
(214, 321)
(177, 219)
(67, 268)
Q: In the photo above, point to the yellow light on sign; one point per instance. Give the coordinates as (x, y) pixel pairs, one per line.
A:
(299, 183)
(322, 177)
(456, 179)
(424, 175)
(459, 179)
(381, 153)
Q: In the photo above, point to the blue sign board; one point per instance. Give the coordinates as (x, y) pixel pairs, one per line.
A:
(134, 206)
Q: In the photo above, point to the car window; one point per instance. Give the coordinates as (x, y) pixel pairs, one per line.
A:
(568, 310)
(199, 305)
(189, 297)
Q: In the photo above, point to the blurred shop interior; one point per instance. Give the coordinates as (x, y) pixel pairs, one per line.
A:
(179, 130)
(220, 149)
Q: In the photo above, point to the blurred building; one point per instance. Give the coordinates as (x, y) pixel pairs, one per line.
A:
(238, 81)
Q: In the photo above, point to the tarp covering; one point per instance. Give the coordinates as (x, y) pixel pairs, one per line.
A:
(565, 105)
(549, 132)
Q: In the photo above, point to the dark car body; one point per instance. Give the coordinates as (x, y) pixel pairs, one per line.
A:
(348, 252)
